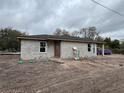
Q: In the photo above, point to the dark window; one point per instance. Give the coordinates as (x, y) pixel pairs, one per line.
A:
(43, 46)
(89, 47)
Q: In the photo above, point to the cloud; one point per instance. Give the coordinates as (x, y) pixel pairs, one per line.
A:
(44, 16)
(114, 35)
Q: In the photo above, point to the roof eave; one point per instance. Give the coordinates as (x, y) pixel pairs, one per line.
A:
(34, 38)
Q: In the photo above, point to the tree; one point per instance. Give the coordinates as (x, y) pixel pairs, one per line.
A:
(65, 33)
(8, 39)
(99, 38)
(75, 33)
(115, 44)
(83, 32)
(92, 33)
(108, 42)
(89, 33)
(60, 32)
(122, 45)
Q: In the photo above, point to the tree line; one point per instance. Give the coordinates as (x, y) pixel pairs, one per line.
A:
(9, 41)
(115, 45)
(89, 33)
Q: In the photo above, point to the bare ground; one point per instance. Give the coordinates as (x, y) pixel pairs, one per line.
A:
(99, 75)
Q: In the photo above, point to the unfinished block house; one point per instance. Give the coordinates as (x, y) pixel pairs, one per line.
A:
(35, 46)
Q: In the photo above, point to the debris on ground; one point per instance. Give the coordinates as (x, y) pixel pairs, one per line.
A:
(103, 75)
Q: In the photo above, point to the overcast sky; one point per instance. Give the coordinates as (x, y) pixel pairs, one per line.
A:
(44, 16)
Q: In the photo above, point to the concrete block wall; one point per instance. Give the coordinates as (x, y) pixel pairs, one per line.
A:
(31, 49)
(66, 49)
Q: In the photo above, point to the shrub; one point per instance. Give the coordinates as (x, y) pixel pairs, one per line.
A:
(118, 51)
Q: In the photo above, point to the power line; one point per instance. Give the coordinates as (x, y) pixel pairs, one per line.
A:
(107, 8)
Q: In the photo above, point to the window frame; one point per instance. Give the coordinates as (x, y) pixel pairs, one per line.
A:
(94, 48)
(89, 47)
(45, 46)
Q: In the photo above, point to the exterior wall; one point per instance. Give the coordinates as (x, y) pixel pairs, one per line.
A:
(66, 49)
(31, 49)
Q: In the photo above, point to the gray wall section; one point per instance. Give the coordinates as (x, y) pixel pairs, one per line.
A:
(66, 49)
(31, 49)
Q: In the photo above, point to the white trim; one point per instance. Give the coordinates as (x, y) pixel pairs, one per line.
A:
(45, 47)
(94, 48)
(102, 49)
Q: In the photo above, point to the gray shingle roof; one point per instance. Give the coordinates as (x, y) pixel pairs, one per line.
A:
(62, 38)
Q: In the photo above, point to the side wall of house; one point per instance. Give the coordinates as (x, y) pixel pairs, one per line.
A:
(67, 52)
(31, 49)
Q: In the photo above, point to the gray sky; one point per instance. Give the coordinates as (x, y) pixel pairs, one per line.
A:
(44, 16)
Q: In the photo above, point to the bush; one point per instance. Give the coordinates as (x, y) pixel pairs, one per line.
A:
(118, 51)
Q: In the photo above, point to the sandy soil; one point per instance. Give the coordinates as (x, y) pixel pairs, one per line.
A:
(99, 75)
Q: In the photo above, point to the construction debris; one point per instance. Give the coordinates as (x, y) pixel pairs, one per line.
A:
(57, 60)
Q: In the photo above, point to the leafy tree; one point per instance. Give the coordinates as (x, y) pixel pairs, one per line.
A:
(108, 42)
(8, 39)
(122, 45)
(115, 44)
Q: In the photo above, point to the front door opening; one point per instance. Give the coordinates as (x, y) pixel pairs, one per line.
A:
(57, 49)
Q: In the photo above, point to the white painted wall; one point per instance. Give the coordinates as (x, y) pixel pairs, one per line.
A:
(66, 49)
(31, 49)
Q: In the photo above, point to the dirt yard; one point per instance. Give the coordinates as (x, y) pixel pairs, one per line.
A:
(99, 75)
